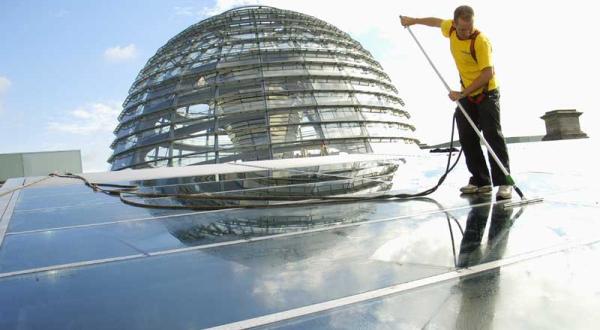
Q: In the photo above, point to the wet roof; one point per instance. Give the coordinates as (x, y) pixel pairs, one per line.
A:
(72, 258)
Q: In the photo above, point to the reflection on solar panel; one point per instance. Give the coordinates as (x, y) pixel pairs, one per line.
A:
(269, 187)
(74, 258)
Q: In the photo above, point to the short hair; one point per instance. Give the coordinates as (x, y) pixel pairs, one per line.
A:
(464, 12)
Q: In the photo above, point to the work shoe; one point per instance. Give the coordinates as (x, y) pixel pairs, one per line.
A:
(485, 190)
(504, 192)
(473, 189)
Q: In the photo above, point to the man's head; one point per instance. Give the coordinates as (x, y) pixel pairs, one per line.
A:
(463, 21)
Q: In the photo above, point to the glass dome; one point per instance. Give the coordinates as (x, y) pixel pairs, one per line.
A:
(257, 83)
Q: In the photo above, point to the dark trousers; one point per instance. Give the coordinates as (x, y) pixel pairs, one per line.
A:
(486, 116)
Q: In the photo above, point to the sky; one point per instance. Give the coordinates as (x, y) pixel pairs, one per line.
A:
(66, 66)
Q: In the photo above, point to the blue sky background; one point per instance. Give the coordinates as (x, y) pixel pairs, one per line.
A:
(66, 66)
(54, 58)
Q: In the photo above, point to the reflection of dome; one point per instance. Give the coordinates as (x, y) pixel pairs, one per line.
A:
(215, 227)
(257, 83)
(264, 188)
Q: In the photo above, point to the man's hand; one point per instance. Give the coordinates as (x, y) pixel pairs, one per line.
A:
(407, 21)
(429, 21)
(455, 96)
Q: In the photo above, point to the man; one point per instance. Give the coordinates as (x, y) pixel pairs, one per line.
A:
(479, 96)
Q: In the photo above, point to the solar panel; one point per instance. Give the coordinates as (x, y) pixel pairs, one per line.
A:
(74, 258)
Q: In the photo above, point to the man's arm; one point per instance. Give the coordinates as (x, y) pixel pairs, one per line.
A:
(429, 21)
(484, 77)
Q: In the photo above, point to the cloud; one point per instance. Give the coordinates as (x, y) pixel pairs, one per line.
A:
(369, 16)
(184, 11)
(89, 129)
(4, 86)
(89, 119)
(118, 53)
(60, 13)
(219, 7)
(223, 5)
(189, 11)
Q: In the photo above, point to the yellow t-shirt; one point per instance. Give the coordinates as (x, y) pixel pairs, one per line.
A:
(468, 69)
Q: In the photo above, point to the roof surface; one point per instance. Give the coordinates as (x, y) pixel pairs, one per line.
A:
(72, 258)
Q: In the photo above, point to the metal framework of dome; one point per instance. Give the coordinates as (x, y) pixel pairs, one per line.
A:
(257, 83)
